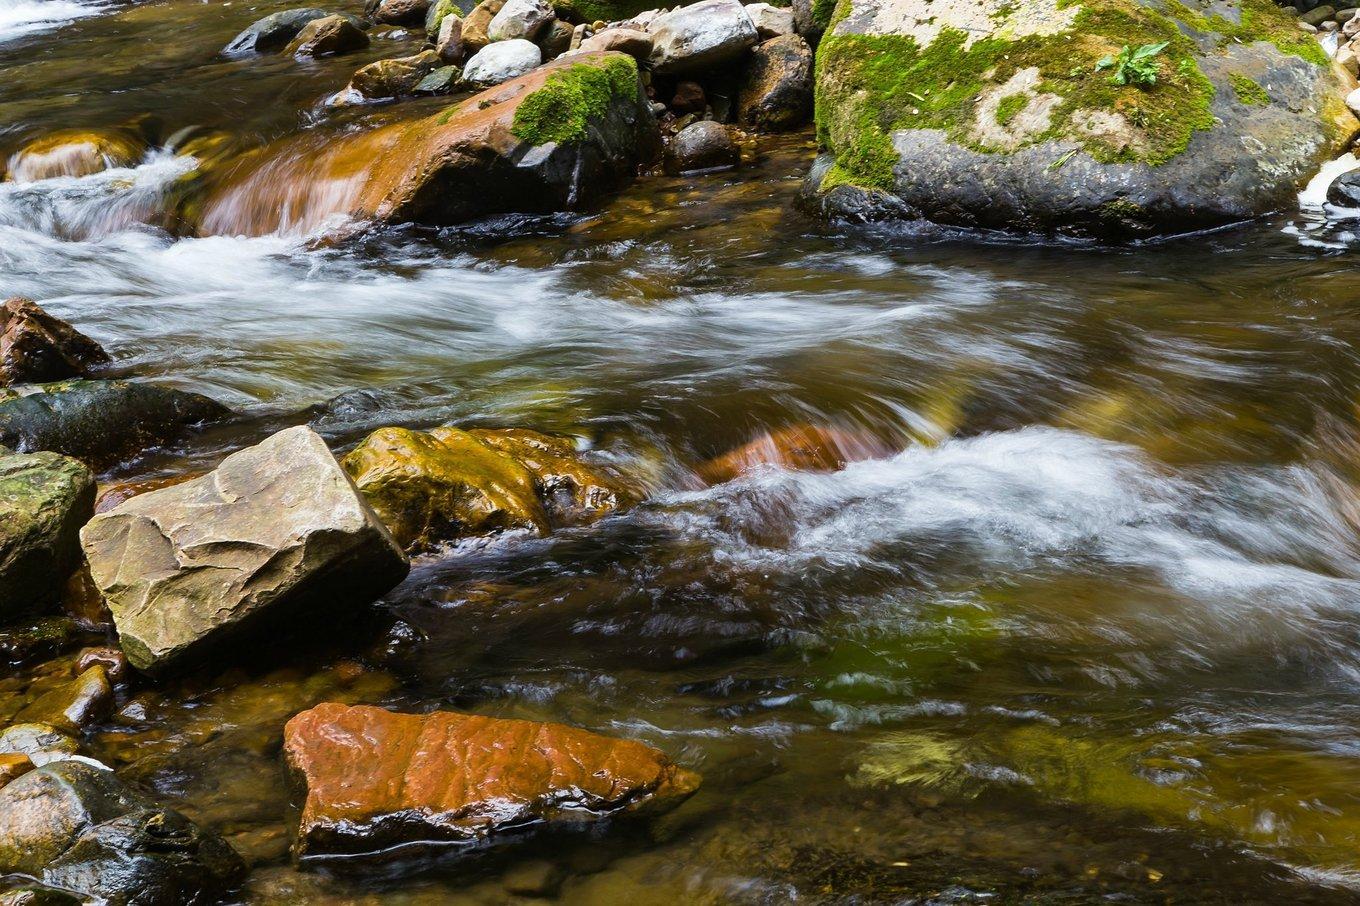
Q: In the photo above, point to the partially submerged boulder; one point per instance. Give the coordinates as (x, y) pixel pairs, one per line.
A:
(36, 347)
(44, 500)
(100, 422)
(554, 139)
(392, 78)
(72, 706)
(374, 779)
(327, 37)
(701, 36)
(809, 448)
(273, 32)
(75, 152)
(776, 86)
(77, 827)
(275, 533)
(704, 145)
(1001, 114)
(397, 12)
(445, 484)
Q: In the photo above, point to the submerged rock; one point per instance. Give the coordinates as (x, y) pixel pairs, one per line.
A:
(273, 32)
(809, 448)
(375, 779)
(75, 152)
(77, 827)
(328, 36)
(502, 61)
(555, 139)
(448, 483)
(100, 422)
(276, 532)
(72, 706)
(36, 347)
(1002, 115)
(776, 86)
(704, 145)
(44, 500)
(701, 36)
(37, 641)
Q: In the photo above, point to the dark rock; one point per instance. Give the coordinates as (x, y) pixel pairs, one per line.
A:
(77, 827)
(1027, 148)
(112, 660)
(444, 80)
(100, 422)
(44, 500)
(35, 895)
(36, 347)
(276, 533)
(1344, 192)
(704, 145)
(556, 39)
(689, 97)
(806, 23)
(397, 12)
(327, 37)
(273, 32)
(1318, 15)
(374, 779)
(44, 639)
(776, 87)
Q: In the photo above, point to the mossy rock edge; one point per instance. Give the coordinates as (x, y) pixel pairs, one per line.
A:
(992, 114)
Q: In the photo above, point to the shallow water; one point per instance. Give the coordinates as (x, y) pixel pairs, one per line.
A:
(1092, 632)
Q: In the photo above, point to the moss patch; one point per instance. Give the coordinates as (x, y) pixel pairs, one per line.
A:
(562, 110)
(870, 86)
(600, 10)
(1248, 92)
(1259, 20)
(1009, 108)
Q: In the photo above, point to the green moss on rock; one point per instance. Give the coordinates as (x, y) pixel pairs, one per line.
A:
(562, 110)
(600, 10)
(1248, 92)
(871, 86)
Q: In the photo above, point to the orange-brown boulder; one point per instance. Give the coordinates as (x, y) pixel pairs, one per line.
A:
(809, 448)
(374, 778)
(35, 347)
(13, 766)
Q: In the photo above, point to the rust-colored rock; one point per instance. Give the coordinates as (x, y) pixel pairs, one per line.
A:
(75, 152)
(111, 659)
(810, 448)
(375, 779)
(36, 347)
(83, 603)
(13, 766)
(114, 493)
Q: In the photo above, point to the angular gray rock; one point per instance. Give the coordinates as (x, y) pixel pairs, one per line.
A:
(701, 36)
(525, 19)
(770, 21)
(502, 61)
(275, 533)
(44, 500)
(77, 827)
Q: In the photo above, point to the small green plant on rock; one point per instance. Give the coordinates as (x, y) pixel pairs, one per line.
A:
(1009, 108)
(1133, 66)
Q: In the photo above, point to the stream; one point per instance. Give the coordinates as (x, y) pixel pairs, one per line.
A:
(1090, 629)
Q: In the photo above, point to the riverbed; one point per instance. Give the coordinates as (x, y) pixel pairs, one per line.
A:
(1088, 629)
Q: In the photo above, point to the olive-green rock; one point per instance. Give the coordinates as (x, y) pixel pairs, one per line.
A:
(274, 535)
(72, 706)
(1093, 117)
(100, 422)
(449, 483)
(75, 826)
(44, 500)
(393, 78)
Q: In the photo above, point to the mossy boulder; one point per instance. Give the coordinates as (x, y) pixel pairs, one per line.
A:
(602, 10)
(553, 139)
(44, 500)
(996, 114)
(100, 422)
(445, 484)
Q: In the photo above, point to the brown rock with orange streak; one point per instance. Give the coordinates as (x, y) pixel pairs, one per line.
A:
(376, 779)
(810, 448)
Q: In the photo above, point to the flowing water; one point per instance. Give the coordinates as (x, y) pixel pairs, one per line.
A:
(1085, 628)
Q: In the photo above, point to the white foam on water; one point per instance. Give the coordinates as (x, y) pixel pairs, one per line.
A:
(24, 17)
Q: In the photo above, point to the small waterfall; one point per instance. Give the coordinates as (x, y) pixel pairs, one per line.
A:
(22, 17)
